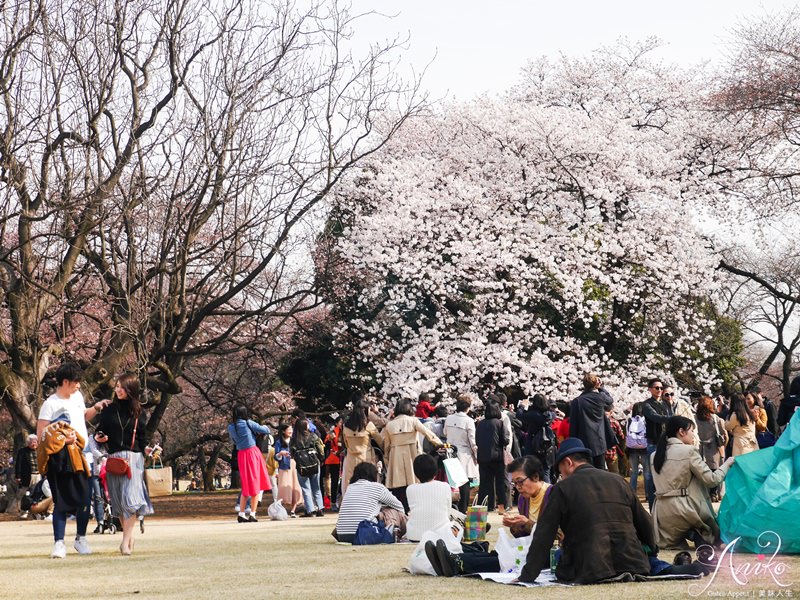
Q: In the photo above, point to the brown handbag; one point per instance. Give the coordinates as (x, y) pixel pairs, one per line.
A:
(119, 466)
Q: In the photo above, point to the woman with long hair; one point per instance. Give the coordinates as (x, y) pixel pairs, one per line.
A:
(288, 484)
(358, 433)
(122, 426)
(712, 435)
(252, 468)
(308, 452)
(742, 425)
(682, 509)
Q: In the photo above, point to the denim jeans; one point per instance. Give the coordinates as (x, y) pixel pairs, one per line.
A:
(636, 458)
(97, 498)
(649, 485)
(312, 495)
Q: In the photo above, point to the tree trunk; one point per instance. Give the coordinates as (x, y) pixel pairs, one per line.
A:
(16, 393)
(211, 468)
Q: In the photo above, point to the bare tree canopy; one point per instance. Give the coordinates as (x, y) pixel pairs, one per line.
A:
(160, 162)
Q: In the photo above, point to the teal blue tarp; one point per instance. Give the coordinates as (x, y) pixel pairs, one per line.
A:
(762, 494)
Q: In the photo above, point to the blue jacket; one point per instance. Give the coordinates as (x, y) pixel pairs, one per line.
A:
(284, 463)
(243, 433)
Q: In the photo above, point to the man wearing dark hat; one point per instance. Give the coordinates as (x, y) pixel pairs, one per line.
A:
(605, 527)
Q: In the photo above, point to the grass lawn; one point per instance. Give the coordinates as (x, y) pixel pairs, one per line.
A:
(183, 558)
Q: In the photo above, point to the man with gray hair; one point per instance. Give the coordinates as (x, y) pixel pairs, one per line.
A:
(26, 469)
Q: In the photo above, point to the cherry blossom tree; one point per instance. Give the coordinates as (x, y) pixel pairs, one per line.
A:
(526, 240)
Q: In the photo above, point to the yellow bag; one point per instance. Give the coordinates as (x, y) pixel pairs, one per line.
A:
(159, 481)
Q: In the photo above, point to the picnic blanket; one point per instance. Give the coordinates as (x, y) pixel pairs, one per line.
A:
(546, 578)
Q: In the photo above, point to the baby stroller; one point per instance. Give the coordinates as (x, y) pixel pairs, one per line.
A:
(110, 523)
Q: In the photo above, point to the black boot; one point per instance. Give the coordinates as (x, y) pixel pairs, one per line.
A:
(433, 556)
(447, 561)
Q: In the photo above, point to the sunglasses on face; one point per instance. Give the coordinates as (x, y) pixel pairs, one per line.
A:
(668, 395)
(657, 388)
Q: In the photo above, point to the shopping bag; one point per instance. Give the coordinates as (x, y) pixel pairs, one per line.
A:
(475, 523)
(372, 532)
(512, 552)
(456, 475)
(158, 480)
(419, 564)
(277, 512)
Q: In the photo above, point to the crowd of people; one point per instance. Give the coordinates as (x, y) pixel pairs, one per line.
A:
(544, 458)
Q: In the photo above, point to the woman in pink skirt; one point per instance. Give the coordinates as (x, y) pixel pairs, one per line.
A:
(252, 470)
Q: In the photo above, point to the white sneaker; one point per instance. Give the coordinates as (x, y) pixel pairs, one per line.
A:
(59, 550)
(81, 545)
(48, 518)
(236, 508)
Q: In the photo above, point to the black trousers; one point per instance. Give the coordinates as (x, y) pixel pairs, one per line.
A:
(333, 472)
(475, 558)
(463, 497)
(493, 483)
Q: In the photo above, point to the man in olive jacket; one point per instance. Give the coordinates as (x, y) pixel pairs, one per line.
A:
(604, 525)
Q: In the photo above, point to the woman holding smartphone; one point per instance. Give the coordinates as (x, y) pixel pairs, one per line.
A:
(123, 427)
(288, 484)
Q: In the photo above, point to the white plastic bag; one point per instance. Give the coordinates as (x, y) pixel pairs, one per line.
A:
(419, 564)
(512, 552)
(277, 512)
(456, 475)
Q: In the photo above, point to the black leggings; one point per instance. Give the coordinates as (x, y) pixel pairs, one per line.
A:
(493, 483)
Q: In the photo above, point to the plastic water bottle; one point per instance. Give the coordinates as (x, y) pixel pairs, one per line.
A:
(554, 557)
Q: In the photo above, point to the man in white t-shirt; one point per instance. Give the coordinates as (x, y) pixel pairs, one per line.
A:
(429, 501)
(68, 400)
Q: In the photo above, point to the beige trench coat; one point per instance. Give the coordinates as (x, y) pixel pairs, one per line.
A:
(682, 499)
(401, 447)
(744, 436)
(359, 450)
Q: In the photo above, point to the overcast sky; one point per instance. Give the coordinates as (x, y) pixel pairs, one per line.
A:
(480, 46)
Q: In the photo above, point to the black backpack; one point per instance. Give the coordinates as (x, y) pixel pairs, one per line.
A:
(307, 459)
(543, 445)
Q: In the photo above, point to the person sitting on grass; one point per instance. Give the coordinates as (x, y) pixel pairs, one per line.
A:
(527, 474)
(606, 531)
(366, 499)
(683, 505)
(429, 501)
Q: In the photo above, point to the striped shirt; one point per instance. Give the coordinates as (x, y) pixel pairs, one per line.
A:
(363, 500)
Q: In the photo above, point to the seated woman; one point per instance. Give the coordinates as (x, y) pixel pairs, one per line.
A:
(365, 498)
(682, 479)
(429, 501)
(528, 476)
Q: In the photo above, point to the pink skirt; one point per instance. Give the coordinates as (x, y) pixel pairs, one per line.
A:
(252, 471)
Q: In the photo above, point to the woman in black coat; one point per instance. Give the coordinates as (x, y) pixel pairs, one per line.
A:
(490, 437)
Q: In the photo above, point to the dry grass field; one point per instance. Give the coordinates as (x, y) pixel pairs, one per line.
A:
(218, 558)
